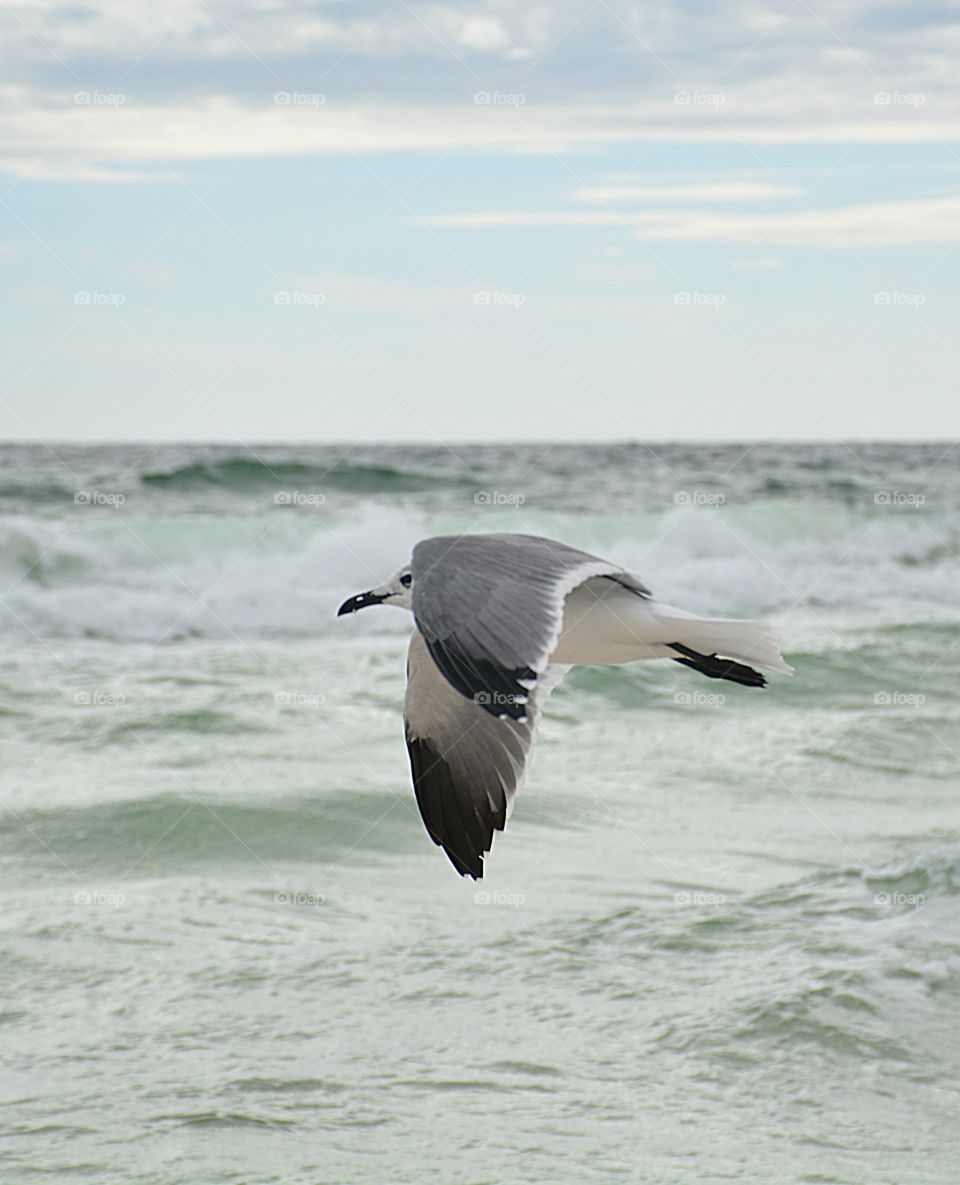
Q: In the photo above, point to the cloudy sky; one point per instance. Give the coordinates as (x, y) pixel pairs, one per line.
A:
(284, 219)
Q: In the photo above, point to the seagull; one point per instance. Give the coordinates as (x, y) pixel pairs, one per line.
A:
(499, 620)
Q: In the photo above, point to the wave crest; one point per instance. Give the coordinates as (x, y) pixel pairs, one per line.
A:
(136, 575)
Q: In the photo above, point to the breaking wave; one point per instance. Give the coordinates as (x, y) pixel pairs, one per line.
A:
(142, 576)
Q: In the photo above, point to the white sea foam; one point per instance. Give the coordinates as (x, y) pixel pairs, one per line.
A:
(141, 578)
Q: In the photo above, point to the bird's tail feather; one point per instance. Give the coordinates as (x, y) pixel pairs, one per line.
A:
(746, 641)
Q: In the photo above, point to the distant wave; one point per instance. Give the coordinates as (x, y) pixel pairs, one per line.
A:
(250, 473)
(230, 475)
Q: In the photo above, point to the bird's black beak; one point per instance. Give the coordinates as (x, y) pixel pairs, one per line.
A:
(360, 601)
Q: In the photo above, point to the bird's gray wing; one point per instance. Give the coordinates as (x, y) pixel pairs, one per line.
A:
(490, 608)
(467, 765)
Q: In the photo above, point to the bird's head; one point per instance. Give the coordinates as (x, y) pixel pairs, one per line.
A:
(398, 591)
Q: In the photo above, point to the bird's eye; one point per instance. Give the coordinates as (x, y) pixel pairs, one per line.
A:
(406, 580)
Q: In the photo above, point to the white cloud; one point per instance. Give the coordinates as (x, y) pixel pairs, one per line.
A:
(706, 191)
(61, 138)
(196, 77)
(866, 224)
(484, 33)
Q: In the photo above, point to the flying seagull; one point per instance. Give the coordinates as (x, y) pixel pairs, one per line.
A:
(499, 620)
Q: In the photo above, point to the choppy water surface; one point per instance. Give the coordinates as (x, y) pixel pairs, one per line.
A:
(719, 940)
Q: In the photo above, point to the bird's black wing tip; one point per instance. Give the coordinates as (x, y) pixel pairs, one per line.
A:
(466, 865)
(718, 668)
(451, 822)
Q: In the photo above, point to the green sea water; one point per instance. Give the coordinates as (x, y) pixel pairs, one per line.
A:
(719, 940)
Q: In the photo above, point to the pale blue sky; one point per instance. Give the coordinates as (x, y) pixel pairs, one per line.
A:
(343, 221)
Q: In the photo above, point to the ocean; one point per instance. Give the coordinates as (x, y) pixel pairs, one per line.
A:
(718, 941)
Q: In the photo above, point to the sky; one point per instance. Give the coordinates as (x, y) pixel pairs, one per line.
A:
(262, 220)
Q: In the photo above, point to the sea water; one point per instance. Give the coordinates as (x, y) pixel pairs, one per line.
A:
(719, 940)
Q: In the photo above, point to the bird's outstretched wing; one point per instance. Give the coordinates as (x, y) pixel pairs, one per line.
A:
(490, 608)
(467, 764)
